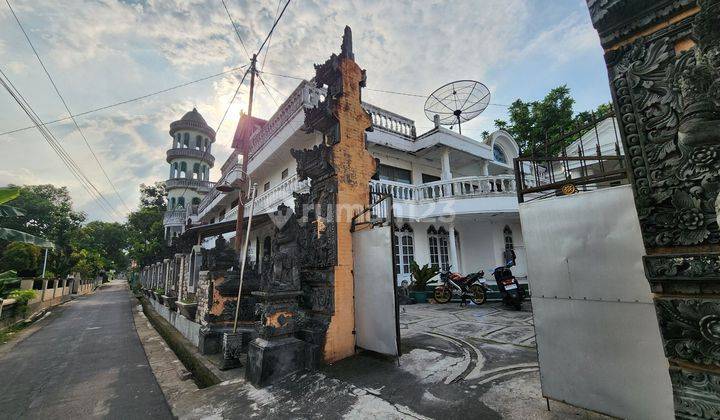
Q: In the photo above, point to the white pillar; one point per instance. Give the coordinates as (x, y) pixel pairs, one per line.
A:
(484, 168)
(452, 247)
(445, 173)
(45, 263)
(445, 165)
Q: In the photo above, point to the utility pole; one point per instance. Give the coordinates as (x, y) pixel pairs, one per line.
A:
(245, 150)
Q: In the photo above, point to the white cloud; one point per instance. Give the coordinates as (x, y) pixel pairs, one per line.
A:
(105, 51)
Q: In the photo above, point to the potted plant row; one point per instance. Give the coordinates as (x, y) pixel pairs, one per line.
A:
(169, 300)
(159, 292)
(187, 308)
(421, 276)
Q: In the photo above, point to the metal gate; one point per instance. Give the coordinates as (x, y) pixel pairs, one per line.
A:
(377, 322)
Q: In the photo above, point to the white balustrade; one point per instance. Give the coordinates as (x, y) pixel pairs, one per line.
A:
(275, 195)
(463, 187)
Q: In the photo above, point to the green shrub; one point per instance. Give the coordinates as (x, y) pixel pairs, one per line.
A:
(189, 299)
(422, 275)
(22, 297)
(21, 257)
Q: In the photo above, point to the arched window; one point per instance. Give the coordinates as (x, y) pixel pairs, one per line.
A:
(205, 147)
(196, 171)
(178, 140)
(196, 201)
(508, 234)
(183, 170)
(404, 251)
(172, 203)
(181, 202)
(203, 173)
(499, 154)
(174, 172)
(198, 143)
(438, 240)
(186, 140)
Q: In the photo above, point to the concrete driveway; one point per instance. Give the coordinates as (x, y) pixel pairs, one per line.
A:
(472, 362)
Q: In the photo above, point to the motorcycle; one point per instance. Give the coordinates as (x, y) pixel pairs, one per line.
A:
(510, 291)
(453, 284)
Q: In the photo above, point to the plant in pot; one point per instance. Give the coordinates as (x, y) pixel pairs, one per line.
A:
(169, 300)
(421, 275)
(159, 292)
(187, 307)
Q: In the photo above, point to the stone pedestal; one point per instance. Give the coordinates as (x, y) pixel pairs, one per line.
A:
(269, 360)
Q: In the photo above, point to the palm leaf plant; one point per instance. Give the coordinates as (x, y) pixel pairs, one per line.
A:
(421, 275)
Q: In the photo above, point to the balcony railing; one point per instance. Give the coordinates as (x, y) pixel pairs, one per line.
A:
(189, 183)
(389, 121)
(174, 217)
(190, 153)
(463, 187)
(278, 193)
(232, 175)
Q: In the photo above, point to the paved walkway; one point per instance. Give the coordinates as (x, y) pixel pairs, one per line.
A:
(85, 362)
(477, 362)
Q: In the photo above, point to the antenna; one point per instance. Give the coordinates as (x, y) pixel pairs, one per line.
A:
(457, 102)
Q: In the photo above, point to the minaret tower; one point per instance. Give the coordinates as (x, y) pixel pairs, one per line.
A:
(190, 160)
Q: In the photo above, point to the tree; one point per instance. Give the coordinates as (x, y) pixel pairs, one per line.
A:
(153, 196)
(47, 211)
(533, 122)
(21, 257)
(146, 234)
(88, 263)
(108, 240)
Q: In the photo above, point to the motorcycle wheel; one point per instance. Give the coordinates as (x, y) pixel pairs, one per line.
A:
(442, 294)
(478, 295)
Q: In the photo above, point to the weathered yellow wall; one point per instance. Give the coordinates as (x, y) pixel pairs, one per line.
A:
(354, 166)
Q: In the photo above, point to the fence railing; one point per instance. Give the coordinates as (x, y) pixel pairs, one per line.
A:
(586, 158)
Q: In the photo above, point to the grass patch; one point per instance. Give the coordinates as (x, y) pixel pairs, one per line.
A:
(8, 333)
(179, 345)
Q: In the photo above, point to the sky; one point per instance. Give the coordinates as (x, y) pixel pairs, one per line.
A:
(103, 52)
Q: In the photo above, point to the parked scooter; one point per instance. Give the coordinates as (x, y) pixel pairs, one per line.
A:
(454, 284)
(510, 291)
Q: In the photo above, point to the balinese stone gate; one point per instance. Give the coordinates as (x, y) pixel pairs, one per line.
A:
(663, 61)
(340, 170)
(307, 296)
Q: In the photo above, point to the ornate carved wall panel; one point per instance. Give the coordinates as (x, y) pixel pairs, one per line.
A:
(663, 61)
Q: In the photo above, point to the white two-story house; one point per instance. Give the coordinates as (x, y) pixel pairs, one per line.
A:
(455, 198)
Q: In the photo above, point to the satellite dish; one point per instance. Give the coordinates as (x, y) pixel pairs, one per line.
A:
(457, 102)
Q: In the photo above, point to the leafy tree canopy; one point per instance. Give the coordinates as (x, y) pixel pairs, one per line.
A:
(23, 258)
(146, 234)
(108, 240)
(46, 211)
(534, 122)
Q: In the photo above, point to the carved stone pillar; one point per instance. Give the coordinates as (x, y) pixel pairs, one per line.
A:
(663, 61)
(216, 292)
(340, 169)
(276, 351)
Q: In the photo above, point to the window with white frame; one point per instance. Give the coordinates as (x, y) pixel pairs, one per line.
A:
(508, 234)
(499, 154)
(439, 247)
(404, 251)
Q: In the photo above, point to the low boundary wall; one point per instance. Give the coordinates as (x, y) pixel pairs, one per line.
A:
(189, 329)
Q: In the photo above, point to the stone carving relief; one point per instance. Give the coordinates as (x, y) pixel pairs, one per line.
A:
(690, 329)
(696, 394)
(669, 112)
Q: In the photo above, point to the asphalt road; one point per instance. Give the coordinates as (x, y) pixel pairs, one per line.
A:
(86, 362)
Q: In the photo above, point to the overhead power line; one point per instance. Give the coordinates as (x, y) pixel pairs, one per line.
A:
(237, 31)
(54, 144)
(127, 101)
(415, 95)
(67, 108)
